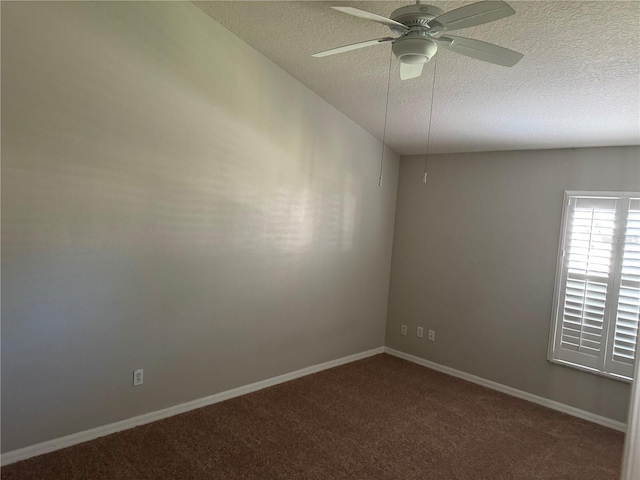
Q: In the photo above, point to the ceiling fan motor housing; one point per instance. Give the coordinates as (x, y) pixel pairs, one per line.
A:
(416, 15)
(414, 49)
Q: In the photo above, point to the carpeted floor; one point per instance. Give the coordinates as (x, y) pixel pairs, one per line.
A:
(379, 418)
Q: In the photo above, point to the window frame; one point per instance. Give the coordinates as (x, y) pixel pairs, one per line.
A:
(559, 288)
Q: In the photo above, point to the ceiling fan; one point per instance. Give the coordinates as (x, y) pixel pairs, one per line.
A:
(420, 27)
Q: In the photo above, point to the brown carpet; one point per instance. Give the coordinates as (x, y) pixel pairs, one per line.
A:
(379, 418)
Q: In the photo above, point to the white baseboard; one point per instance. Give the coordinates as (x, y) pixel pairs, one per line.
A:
(75, 438)
(84, 436)
(545, 402)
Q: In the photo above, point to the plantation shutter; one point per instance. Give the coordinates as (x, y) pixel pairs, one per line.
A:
(587, 280)
(597, 309)
(627, 313)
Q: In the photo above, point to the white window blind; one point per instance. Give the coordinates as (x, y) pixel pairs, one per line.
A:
(597, 301)
(628, 309)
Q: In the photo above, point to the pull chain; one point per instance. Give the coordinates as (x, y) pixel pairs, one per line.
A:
(433, 91)
(384, 131)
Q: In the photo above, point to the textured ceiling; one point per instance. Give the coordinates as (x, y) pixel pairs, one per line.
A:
(578, 84)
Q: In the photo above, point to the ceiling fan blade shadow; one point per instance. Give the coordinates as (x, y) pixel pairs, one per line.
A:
(371, 16)
(471, 15)
(487, 52)
(410, 70)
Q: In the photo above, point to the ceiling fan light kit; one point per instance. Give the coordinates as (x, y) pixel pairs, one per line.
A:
(420, 26)
(414, 49)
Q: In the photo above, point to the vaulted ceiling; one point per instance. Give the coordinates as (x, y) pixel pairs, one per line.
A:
(578, 84)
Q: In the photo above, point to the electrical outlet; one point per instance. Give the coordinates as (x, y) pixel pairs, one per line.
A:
(403, 330)
(432, 335)
(138, 377)
(419, 332)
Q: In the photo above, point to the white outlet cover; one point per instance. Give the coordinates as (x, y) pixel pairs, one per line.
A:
(138, 377)
(419, 332)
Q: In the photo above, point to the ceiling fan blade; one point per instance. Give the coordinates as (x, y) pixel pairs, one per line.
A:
(444, 41)
(471, 15)
(487, 52)
(371, 16)
(410, 70)
(353, 46)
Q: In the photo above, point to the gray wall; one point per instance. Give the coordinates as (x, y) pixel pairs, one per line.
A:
(474, 259)
(173, 201)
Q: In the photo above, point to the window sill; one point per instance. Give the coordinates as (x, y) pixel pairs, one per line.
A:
(575, 366)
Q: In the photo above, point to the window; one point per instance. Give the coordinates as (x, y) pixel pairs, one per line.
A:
(597, 297)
